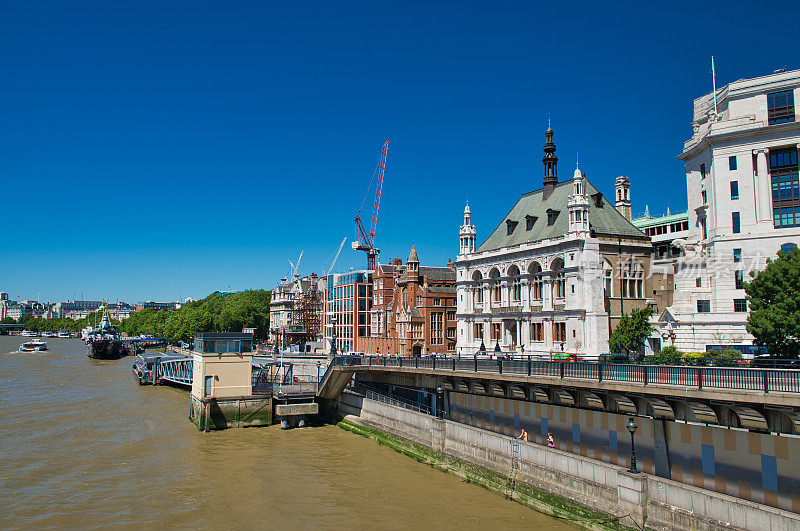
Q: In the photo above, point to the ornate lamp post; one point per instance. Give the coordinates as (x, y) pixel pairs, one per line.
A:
(631, 425)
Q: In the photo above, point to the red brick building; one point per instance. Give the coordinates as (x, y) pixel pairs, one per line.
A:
(413, 309)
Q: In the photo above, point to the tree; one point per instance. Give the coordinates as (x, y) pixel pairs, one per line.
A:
(631, 332)
(774, 296)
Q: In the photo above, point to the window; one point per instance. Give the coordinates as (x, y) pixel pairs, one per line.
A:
(419, 300)
(685, 225)
(536, 289)
(437, 302)
(703, 306)
(477, 288)
(559, 332)
(537, 332)
(788, 247)
(704, 197)
(702, 171)
(477, 331)
(738, 277)
(736, 223)
(703, 229)
(510, 226)
(559, 283)
(495, 286)
(607, 283)
(785, 187)
(529, 221)
(739, 305)
(734, 190)
(632, 280)
(780, 107)
(451, 332)
(737, 255)
(437, 328)
(732, 163)
(495, 331)
(698, 282)
(551, 216)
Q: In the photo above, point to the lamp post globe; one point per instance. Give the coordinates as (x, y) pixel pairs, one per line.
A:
(631, 425)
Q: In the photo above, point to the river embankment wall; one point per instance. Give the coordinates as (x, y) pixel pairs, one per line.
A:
(641, 500)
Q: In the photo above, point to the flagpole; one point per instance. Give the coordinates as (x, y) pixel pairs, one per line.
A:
(714, 84)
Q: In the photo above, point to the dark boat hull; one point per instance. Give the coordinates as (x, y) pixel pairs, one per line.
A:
(105, 349)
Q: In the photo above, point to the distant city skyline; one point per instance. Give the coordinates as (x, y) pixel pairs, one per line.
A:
(158, 152)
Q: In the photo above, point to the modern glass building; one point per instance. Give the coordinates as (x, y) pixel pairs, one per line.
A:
(218, 343)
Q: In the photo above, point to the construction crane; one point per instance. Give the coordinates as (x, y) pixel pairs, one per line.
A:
(293, 267)
(335, 257)
(367, 241)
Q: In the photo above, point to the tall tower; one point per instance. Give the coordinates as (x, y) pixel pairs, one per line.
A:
(467, 233)
(623, 204)
(578, 205)
(550, 160)
(412, 264)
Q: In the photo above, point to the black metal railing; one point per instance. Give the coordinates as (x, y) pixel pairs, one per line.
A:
(734, 378)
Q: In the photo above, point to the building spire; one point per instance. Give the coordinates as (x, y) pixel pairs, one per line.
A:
(549, 160)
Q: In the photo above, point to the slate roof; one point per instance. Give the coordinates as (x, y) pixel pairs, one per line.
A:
(442, 289)
(605, 220)
(438, 273)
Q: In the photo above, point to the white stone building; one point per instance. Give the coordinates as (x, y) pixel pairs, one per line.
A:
(744, 205)
(547, 280)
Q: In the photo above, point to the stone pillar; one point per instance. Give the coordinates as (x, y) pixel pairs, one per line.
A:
(764, 185)
(547, 294)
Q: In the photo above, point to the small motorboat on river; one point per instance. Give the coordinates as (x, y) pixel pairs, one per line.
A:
(33, 346)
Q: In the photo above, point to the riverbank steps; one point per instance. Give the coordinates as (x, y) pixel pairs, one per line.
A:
(527, 495)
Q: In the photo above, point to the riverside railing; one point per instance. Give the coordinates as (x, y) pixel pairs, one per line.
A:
(744, 379)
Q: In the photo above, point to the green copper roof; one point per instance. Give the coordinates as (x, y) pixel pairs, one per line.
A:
(644, 222)
(604, 220)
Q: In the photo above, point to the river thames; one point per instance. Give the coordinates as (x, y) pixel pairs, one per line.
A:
(86, 446)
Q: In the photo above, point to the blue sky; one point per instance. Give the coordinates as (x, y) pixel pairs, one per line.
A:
(166, 149)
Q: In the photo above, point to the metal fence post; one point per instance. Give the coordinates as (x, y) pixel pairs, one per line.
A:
(700, 378)
(766, 381)
(561, 369)
(476, 363)
(599, 372)
(645, 374)
(454, 364)
(500, 366)
(529, 365)
(434, 362)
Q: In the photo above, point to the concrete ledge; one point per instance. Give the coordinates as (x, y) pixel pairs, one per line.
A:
(288, 410)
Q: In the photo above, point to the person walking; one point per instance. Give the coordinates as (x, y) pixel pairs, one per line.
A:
(551, 443)
(523, 435)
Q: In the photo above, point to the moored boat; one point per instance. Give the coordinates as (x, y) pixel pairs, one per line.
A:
(33, 346)
(103, 343)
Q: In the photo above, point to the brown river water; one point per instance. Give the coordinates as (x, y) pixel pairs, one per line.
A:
(83, 446)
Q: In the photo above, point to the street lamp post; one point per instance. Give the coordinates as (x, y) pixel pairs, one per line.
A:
(439, 401)
(631, 425)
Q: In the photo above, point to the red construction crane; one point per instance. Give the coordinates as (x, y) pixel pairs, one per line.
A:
(367, 241)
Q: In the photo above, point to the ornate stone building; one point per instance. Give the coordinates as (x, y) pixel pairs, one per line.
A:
(556, 273)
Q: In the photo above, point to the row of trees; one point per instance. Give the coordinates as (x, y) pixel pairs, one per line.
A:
(774, 319)
(215, 313)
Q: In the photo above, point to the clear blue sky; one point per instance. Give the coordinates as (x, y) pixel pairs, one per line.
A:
(165, 149)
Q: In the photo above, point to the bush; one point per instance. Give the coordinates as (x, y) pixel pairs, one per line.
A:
(693, 358)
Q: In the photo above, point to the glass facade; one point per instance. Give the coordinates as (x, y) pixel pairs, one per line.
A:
(780, 107)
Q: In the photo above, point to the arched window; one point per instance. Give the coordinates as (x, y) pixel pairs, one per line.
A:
(632, 280)
(494, 276)
(559, 283)
(535, 270)
(787, 247)
(478, 288)
(607, 283)
(516, 283)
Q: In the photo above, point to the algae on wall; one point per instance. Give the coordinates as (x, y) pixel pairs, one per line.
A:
(537, 499)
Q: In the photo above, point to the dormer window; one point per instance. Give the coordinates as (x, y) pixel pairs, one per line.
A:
(551, 216)
(510, 226)
(529, 221)
(598, 199)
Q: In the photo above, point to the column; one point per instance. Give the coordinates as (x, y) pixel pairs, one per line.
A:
(764, 185)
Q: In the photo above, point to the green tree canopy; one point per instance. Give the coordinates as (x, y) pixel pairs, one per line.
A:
(631, 332)
(774, 295)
